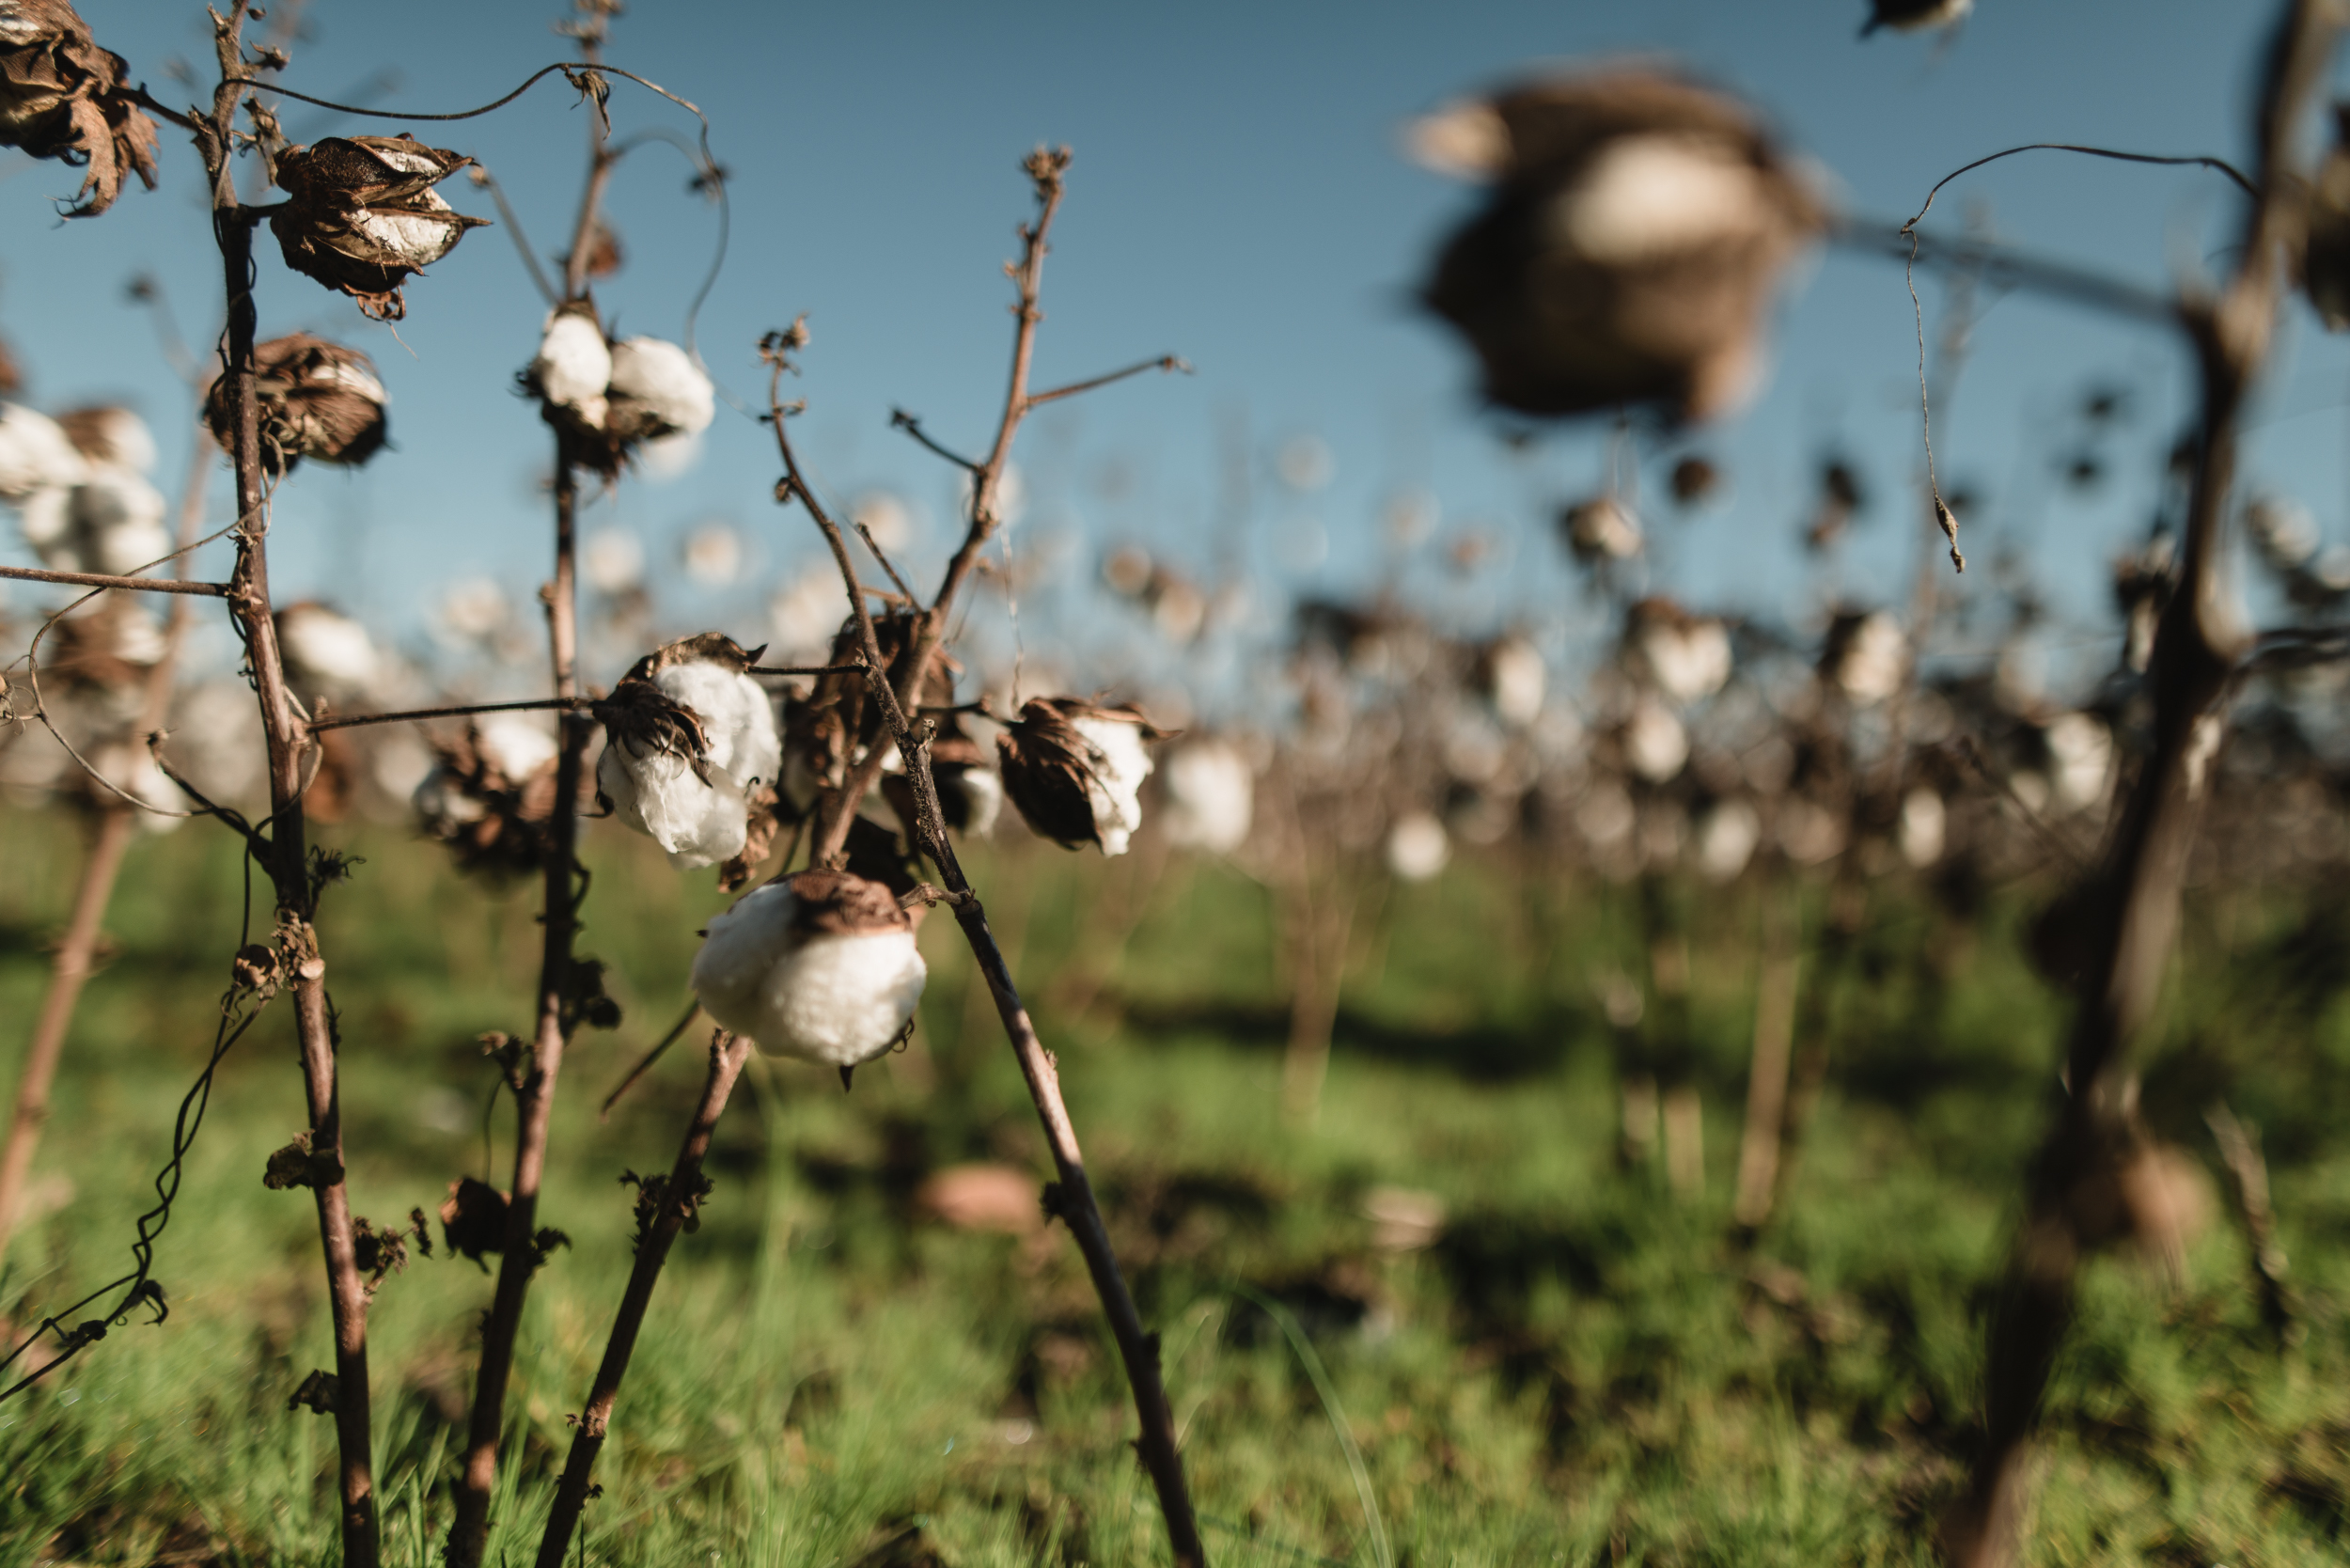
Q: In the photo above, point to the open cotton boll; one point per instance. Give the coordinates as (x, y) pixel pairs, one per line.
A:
(821, 965)
(45, 518)
(1654, 744)
(35, 454)
(514, 744)
(689, 734)
(118, 522)
(1075, 770)
(1417, 847)
(657, 389)
(111, 437)
(326, 651)
(1210, 794)
(573, 365)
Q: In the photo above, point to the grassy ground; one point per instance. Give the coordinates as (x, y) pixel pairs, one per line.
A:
(1580, 1370)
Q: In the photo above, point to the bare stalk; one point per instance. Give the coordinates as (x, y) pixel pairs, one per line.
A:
(534, 1098)
(249, 603)
(99, 580)
(71, 967)
(1071, 1197)
(662, 1208)
(2136, 908)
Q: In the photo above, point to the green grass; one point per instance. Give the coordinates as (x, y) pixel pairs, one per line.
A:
(1578, 1371)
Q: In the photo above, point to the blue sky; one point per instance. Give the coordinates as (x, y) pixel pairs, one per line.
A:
(1236, 198)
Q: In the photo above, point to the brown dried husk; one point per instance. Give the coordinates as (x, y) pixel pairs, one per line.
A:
(62, 96)
(1560, 333)
(82, 651)
(841, 903)
(363, 217)
(1048, 765)
(511, 838)
(835, 721)
(306, 405)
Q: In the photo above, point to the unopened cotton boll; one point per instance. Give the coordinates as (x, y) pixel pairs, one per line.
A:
(821, 965)
(688, 735)
(35, 455)
(656, 389)
(1211, 797)
(573, 367)
(1417, 847)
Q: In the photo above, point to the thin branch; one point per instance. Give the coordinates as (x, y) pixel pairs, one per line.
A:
(1165, 362)
(644, 1063)
(857, 669)
(900, 419)
(351, 721)
(2198, 159)
(1998, 266)
(874, 546)
(128, 584)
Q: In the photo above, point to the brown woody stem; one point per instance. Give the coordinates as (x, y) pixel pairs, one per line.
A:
(129, 584)
(655, 1234)
(2138, 889)
(249, 603)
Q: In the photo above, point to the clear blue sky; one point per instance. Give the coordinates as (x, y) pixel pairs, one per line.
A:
(1236, 198)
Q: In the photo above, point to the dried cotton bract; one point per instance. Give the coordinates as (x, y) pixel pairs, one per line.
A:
(1637, 230)
(313, 399)
(689, 735)
(821, 965)
(364, 218)
(1075, 770)
(62, 96)
(1914, 16)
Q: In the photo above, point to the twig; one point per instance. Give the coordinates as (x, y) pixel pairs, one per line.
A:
(874, 546)
(644, 1063)
(412, 715)
(901, 419)
(2135, 908)
(1165, 362)
(661, 1213)
(129, 584)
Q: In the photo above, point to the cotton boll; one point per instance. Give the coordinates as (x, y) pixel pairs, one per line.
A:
(1687, 656)
(822, 966)
(886, 517)
(2082, 750)
(130, 767)
(1601, 529)
(713, 554)
(45, 518)
(326, 651)
(35, 454)
(1211, 792)
(1116, 786)
(1868, 656)
(613, 561)
(1644, 198)
(516, 745)
(1654, 744)
(657, 389)
(573, 367)
(1514, 681)
(111, 437)
(1417, 847)
(683, 778)
(1922, 827)
(118, 522)
(1727, 836)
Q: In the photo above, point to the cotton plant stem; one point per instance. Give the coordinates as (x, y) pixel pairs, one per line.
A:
(727, 1054)
(1766, 1072)
(534, 1105)
(112, 836)
(249, 603)
(1072, 1197)
(2096, 1126)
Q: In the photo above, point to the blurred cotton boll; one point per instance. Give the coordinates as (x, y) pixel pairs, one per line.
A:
(474, 609)
(1600, 530)
(1655, 746)
(888, 519)
(1511, 673)
(1923, 826)
(1012, 495)
(1727, 837)
(1411, 517)
(713, 554)
(117, 523)
(111, 437)
(326, 653)
(666, 457)
(1630, 247)
(1687, 656)
(821, 965)
(2284, 530)
(1867, 656)
(613, 561)
(2081, 748)
(806, 615)
(1210, 796)
(1417, 847)
(35, 454)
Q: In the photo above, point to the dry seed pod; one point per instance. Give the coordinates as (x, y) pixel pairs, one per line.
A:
(363, 217)
(491, 793)
(315, 399)
(1635, 234)
(689, 734)
(1074, 770)
(821, 965)
(62, 96)
(1914, 16)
